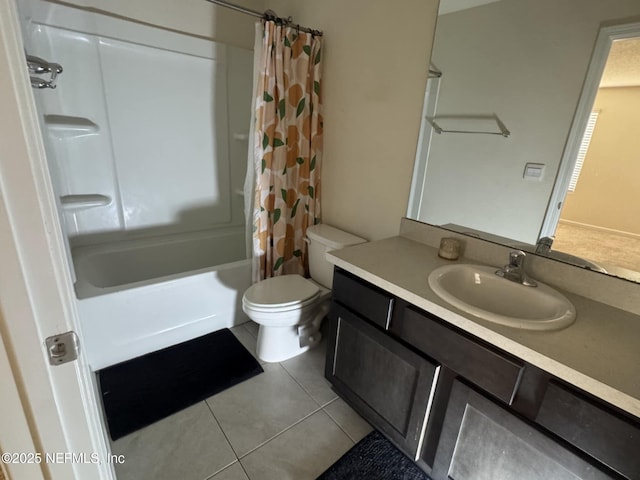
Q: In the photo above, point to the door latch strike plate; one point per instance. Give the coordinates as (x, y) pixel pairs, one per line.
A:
(63, 348)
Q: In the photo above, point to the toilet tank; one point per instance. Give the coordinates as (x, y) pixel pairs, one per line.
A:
(322, 239)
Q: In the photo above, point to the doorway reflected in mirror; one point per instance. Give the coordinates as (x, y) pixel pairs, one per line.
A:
(600, 217)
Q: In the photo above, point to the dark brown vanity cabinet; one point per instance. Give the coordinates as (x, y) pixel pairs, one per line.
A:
(460, 407)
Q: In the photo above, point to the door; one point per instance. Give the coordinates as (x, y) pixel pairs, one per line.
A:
(36, 296)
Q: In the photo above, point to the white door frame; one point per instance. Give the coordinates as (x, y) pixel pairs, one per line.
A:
(15, 434)
(58, 407)
(605, 39)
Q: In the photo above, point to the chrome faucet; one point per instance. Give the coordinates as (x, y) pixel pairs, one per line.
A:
(544, 245)
(514, 271)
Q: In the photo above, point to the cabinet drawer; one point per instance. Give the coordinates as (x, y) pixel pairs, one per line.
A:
(608, 437)
(495, 372)
(367, 300)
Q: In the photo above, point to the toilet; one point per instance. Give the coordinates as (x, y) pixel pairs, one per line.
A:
(290, 308)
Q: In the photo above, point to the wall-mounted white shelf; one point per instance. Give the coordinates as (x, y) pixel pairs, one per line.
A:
(65, 126)
(82, 202)
(243, 137)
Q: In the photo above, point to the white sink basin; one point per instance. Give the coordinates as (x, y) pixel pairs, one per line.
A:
(477, 290)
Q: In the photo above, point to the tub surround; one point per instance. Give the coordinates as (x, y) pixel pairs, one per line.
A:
(599, 353)
(115, 169)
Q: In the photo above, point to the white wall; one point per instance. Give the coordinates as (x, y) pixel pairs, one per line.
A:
(524, 60)
(374, 73)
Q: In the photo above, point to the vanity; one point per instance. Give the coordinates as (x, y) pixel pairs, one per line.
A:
(471, 394)
(467, 398)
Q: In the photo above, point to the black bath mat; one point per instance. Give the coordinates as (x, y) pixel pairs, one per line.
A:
(141, 391)
(374, 458)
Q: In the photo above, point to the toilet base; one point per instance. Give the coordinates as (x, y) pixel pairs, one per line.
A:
(277, 344)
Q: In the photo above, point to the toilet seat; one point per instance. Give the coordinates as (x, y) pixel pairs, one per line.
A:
(279, 294)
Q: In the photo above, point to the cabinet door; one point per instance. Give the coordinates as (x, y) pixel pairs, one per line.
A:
(482, 441)
(383, 380)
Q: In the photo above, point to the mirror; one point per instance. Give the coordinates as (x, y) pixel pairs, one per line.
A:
(505, 114)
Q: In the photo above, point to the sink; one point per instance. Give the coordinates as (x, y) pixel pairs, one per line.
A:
(477, 290)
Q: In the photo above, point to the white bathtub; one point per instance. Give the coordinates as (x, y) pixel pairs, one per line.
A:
(139, 296)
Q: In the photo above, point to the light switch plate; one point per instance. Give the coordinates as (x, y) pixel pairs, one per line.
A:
(533, 171)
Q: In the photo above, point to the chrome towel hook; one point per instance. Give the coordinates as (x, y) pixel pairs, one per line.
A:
(38, 66)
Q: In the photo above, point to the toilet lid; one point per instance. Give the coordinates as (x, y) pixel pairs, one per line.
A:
(286, 290)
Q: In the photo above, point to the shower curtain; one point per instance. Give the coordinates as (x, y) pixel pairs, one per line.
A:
(287, 149)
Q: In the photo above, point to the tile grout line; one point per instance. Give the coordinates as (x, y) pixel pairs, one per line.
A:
(228, 441)
(322, 406)
(212, 477)
(280, 433)
(336, 421)
(307, 391)
(238, 457)
(244, 469)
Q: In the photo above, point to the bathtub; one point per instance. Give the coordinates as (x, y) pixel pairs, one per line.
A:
(138, 296)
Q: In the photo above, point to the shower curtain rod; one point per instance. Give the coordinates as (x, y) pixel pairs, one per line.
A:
(268, 15)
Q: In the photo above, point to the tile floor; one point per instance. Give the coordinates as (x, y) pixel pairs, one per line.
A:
(285, 423)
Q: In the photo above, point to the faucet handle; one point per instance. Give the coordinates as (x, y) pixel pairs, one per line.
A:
(516, 258)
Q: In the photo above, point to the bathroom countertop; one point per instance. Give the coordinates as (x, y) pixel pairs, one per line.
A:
(599, 352)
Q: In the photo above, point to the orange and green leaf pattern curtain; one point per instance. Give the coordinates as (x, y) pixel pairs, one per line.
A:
(287, 150)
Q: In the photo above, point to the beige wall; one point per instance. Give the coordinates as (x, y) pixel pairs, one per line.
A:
(608, 191)
(374, 74)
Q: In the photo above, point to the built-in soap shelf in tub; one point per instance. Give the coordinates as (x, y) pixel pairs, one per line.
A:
(72, 203)
(66, 126)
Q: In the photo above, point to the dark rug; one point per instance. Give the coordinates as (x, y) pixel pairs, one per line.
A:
(374, 458)
(141, 391)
